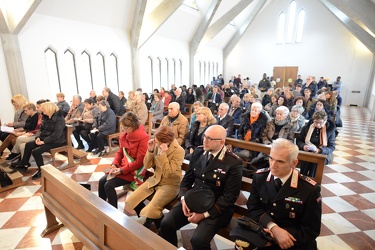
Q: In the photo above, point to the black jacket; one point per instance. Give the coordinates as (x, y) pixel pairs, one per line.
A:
(194, 140)
(31, 122)
(105, 122)
(115, 104)
(52, 129)
(228, 123)
(256, 128)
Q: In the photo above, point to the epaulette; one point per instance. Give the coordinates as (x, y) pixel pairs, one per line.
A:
(233, 155)
(308, 180)
(262, 170)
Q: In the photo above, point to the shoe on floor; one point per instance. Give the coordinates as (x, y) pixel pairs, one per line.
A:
(12, 157)
(37, 175)
(102, 153)
(95, 151)
(80, 146)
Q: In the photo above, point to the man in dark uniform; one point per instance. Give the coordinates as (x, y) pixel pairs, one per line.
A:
(221, 175)
(291, 215)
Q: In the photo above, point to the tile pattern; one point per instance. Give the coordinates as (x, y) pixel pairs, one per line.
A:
(348, 191)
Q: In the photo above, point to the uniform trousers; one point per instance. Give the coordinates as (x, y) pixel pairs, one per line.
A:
(176, 219)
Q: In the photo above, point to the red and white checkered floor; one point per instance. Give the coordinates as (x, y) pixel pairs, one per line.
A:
(348, 191)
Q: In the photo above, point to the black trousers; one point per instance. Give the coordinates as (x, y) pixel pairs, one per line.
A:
(97, 141)
(176, 219)
(33, 149)
(107, 190)
(81, 131)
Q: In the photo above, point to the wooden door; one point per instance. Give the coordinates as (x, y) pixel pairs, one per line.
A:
(287, 75)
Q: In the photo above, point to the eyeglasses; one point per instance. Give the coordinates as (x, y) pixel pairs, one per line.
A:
(209, 139)
(319, 122)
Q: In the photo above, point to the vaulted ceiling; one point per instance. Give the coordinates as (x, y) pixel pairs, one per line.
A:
(222, 20)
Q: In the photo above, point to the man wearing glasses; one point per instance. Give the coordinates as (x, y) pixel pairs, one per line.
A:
(214, 177)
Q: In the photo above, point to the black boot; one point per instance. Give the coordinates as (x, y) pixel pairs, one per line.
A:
(80, 145)
(158, 221)
(148, 222)
(37, 174)
(138, 208)
(22, 168)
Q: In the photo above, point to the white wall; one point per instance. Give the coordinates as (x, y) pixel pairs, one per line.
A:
(5, 94)
(328, 49)
(43, 31)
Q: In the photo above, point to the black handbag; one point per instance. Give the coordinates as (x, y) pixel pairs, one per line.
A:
(4, 179)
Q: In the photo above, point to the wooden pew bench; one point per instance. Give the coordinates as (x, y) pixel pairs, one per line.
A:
(93, 221)
(70, 151)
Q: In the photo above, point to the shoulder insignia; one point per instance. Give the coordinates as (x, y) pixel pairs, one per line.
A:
(263, 170)
(233, 154)
(308, 180)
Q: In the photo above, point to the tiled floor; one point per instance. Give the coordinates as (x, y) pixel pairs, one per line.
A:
(348, 190)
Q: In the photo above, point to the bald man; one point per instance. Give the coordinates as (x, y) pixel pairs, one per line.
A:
(177, 121)
(208, 191)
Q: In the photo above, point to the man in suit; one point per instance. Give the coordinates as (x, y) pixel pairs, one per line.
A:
(235, 109)
(180, 99)
(215, 100)
(284, 202)
(222, 174)
(224, 119)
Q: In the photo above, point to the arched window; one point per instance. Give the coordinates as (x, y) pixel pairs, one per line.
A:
(300, 23)
(200, 72)
(160, 74)
(174, 71)
(112, 75)
(70, 85)
(99, 74)
(217, 68)
(291, 22)
(281, 28)
(180, 72)
(204, 74)
(52, 71)
(167, 61)
(151, 71)
(85, 74)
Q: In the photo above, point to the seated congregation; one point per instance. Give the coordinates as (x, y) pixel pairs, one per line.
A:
(288, 120)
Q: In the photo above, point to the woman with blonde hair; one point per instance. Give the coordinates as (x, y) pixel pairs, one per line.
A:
(195, 136)
(165, 155)
(50, 135)
(20, 117)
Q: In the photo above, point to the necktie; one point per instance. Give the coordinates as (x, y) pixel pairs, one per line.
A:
(278, 184)
(209, 159)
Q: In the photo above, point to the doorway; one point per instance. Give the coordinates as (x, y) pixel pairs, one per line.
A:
(285, 75)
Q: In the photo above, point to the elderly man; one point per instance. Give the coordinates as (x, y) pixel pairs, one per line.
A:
(215, 99)
(114, 101)
(310, 85)
(208, 191)
(235, 109)
(285, 203)
(177, 121)
(139, 108)
(180, 99)
(93, 95)
(224, 119)
(75, 110)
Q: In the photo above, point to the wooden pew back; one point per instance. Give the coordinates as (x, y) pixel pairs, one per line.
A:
(95, 222)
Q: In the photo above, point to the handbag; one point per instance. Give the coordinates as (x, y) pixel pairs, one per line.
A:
(4, 179)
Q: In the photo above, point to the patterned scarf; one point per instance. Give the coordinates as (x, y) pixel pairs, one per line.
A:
(322, 137)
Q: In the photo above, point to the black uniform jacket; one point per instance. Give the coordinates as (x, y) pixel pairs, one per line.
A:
(296, 207)
(223, 175)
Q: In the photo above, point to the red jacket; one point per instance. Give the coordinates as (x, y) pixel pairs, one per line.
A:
(136, 146)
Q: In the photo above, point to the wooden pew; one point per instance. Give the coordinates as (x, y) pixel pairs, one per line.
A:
(68, 148)
(302, 155)
(115, 135)
(93, 221)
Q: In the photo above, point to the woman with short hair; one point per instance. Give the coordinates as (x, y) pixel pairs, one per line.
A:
(104, 124)
(127, 166)
(278, 127)
(157, 108)
(318, 136)
(165, 155)
(195, 136)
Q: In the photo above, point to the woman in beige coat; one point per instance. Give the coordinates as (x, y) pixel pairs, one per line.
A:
(165, 155)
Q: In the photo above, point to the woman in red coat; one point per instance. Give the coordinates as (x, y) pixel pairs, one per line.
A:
(127, 167)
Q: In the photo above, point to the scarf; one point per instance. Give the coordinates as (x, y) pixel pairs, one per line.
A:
(248, 133)
(322, 137)
(282, 122)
